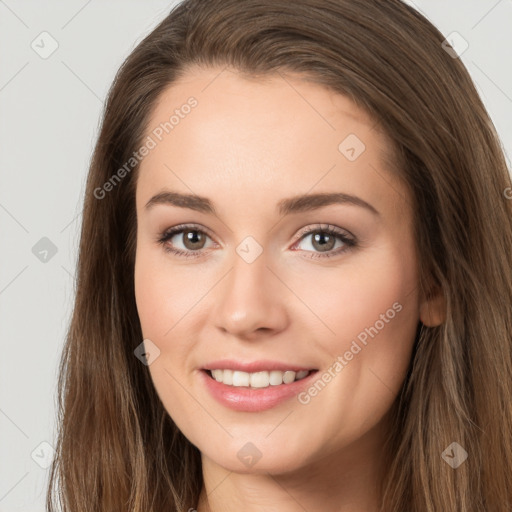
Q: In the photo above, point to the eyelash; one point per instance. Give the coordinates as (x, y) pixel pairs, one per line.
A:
(330, 230)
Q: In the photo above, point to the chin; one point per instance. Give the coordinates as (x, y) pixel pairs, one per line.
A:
(259, 456)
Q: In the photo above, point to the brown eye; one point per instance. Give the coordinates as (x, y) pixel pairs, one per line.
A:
(193, 239)
(187, 241)
(323, 241)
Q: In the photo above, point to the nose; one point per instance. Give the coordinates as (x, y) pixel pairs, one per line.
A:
(250, 301)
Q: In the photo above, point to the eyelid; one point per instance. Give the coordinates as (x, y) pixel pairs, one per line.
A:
(311, 228)
(191, 227)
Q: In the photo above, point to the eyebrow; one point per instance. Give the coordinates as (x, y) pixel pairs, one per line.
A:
(287, 206)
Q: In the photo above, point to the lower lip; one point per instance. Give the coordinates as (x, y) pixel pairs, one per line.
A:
(245, 399)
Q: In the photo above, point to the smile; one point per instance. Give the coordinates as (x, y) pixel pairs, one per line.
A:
(262, 379)
(255, 391)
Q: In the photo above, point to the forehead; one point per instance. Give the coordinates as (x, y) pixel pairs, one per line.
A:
(271, 134)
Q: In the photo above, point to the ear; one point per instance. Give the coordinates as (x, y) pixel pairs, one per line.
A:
(433, 308)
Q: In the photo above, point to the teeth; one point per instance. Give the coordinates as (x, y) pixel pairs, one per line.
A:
(239, 378)
(257, 379)
(217, 375)
(276, 378)
(227, 376)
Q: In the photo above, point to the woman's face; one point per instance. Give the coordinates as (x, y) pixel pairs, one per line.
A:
(256, 171)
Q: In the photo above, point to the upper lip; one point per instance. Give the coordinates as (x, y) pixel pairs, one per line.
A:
(254, 366)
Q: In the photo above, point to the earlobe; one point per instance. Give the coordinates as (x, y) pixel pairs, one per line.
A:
(433, 309)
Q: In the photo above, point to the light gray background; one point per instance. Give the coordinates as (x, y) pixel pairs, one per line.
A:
(49, 117)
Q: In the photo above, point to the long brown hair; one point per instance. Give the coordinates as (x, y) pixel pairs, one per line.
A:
(117, 448)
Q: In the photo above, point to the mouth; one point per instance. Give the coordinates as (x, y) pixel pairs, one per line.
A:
(255, 391)
(259, 380)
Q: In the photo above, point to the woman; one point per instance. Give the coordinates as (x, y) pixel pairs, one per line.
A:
(294, 279)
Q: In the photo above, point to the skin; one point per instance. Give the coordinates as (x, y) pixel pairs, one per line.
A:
(247, 145)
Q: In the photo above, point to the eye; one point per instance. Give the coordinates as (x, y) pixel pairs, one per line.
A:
(192, 239)
(324, 239)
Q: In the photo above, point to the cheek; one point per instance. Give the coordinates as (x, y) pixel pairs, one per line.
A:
(150, 297)
(378, 291)
(166, 301)
(376, 324)
(380, 300)
(161, 296)
(161, 303)
(371, 310)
